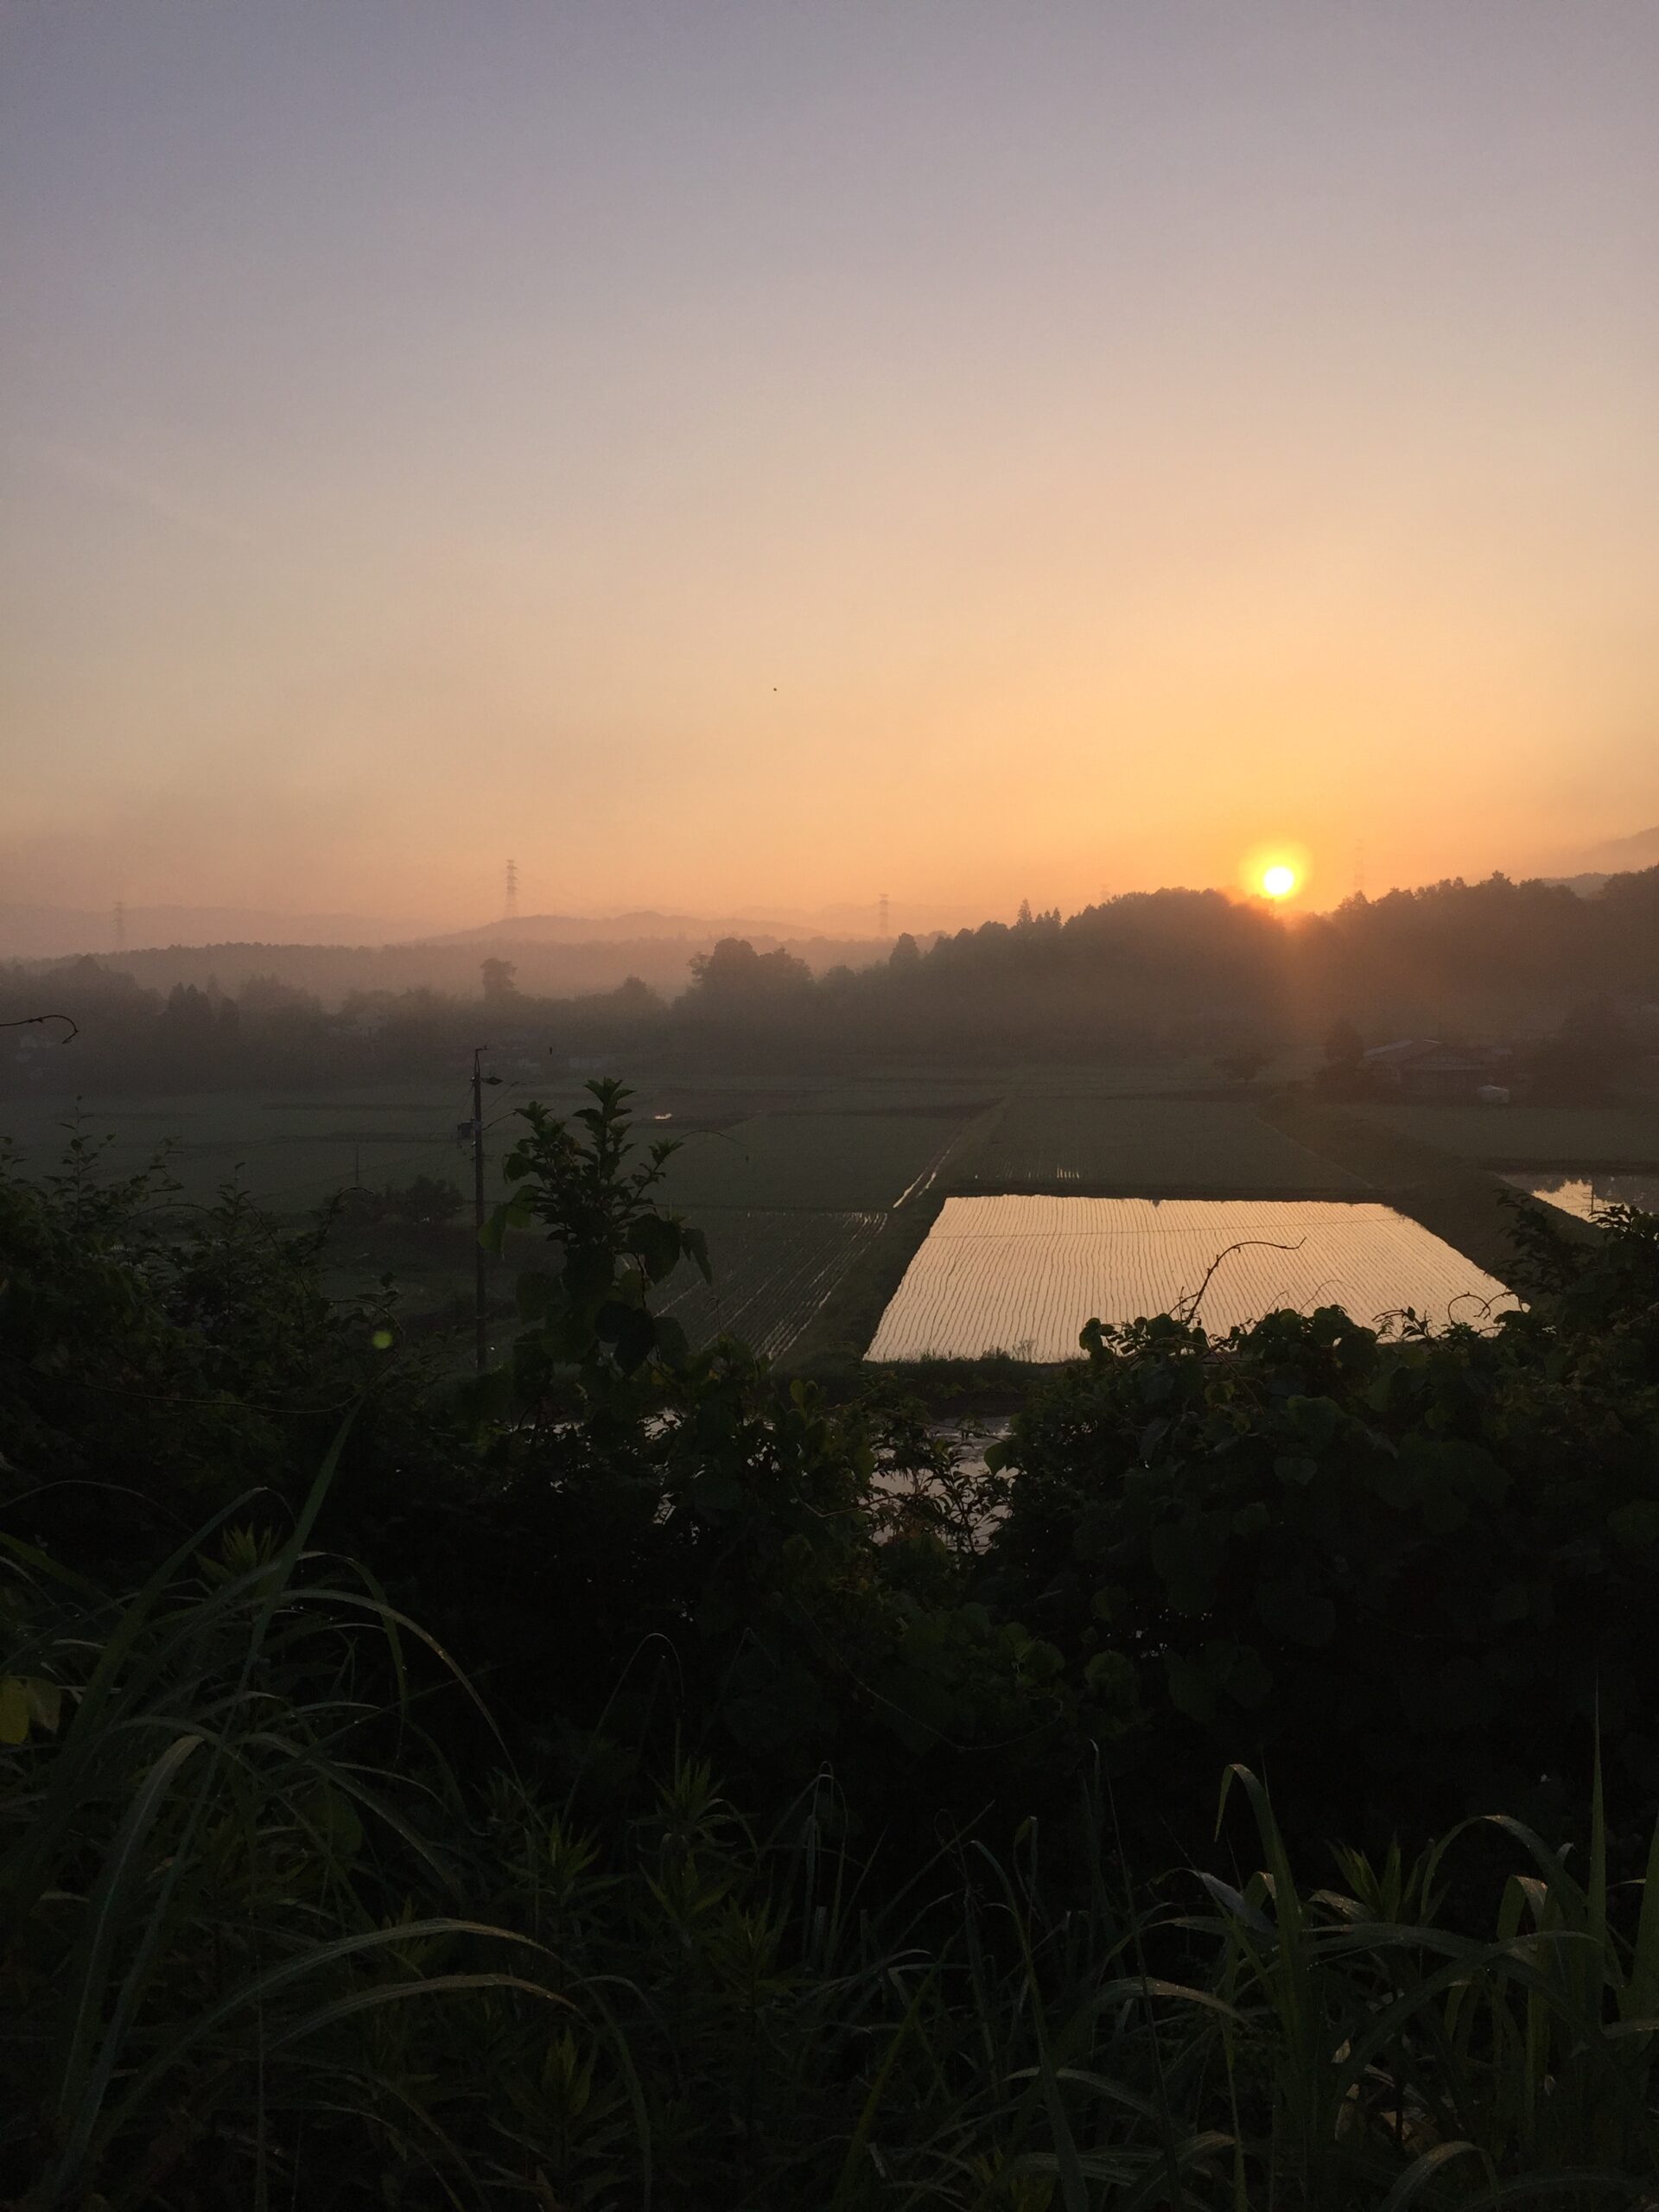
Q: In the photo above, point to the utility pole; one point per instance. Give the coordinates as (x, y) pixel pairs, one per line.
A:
(480, 1348)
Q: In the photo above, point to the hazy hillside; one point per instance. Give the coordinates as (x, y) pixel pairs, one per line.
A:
(845, 924)
(1623, 855)
(645, 926)
(543, 970)
(33, 932)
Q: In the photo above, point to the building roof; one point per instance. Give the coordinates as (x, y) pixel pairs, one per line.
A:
(1428, 1053)
(1452, 1059)
(1403, 1049)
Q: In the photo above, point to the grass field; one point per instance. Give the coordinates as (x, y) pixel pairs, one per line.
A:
(1571, 1137)
(1044, 1142)
(1021, 1274)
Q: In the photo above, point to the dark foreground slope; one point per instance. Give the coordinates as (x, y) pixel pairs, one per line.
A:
(766, 1812)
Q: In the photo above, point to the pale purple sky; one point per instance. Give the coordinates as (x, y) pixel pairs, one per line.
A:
(728, 454)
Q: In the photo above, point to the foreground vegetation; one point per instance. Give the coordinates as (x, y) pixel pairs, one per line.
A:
(631, 1781)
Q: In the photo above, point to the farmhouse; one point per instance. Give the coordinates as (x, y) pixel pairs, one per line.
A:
(1424, 1068)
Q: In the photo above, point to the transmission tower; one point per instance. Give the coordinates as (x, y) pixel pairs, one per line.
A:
(509, 911)
(120, 925)
(882, 927)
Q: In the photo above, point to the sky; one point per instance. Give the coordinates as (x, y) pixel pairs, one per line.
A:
(742, 456)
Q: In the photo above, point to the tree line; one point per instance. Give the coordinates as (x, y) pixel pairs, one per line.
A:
(1146, 973)
(1198, 971)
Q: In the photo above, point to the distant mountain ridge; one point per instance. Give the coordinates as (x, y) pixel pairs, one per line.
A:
(31, 931)
(644, 926)
(1623, 855)
(649, 941)
(1585, 872)
(547, 969)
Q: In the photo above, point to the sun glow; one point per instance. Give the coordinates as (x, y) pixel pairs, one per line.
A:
(1279, 869)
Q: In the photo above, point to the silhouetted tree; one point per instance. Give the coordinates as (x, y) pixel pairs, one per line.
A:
(735, 973)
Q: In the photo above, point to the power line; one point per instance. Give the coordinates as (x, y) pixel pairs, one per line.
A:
(480, 1281)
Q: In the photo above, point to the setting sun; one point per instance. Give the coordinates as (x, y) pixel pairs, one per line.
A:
(1278, 881)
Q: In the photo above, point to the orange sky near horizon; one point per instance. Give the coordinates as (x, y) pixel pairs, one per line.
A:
(737, 457)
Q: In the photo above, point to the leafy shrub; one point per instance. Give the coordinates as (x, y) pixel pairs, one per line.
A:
(293, 1910)
(662, 1511)
(1412, 1573)
(158, 1360)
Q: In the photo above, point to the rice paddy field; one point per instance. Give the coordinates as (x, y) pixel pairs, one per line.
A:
(844, 1161)
(1122, 1146)
(773, 1272)
(1021, 1273)
(291, 1152)
(811, 1185)
(790, 1201)
(1572, 1138)
(790, 1197)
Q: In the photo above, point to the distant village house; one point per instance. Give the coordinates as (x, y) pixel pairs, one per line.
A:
(1424, 1068)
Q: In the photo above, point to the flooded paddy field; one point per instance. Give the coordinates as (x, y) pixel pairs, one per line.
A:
(1021, 1273)
(1585, 1195)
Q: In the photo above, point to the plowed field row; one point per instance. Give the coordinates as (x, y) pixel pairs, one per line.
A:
(773, 1272)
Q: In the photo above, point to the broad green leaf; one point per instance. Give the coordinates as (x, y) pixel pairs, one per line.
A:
(14, 1710)
(1635, 1525)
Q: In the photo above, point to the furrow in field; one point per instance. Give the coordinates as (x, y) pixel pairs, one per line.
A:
(772, 1270)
